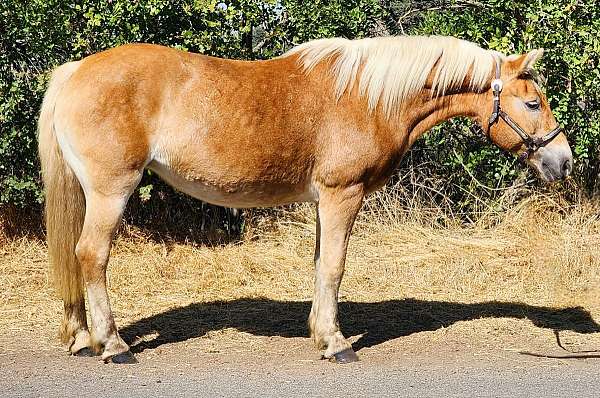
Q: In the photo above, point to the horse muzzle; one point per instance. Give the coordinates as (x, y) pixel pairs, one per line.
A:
(552, 162)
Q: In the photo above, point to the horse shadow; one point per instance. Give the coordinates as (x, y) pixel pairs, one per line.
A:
(376, 322)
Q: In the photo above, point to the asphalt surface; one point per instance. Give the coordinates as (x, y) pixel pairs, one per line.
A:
(176, 372)
(343, 383)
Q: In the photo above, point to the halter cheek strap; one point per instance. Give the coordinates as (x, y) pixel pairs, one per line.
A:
(532, 142)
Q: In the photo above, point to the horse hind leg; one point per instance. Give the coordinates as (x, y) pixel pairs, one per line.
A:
(74, 330)
(103, 215)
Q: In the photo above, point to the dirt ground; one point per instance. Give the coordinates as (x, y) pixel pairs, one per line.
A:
(492, 310)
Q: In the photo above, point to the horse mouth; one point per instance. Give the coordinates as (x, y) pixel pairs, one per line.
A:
(552, 164)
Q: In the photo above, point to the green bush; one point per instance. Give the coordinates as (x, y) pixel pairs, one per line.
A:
(37, 35)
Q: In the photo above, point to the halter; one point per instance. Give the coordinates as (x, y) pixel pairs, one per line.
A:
(532, 143)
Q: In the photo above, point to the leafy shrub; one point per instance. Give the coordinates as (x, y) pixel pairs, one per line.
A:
(37, 35)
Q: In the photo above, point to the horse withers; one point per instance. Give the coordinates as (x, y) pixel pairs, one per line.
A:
(327, 122)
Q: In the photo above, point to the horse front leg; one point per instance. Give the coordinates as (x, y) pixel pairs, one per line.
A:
(336, 213)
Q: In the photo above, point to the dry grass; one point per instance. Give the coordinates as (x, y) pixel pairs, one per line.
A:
(540, 253)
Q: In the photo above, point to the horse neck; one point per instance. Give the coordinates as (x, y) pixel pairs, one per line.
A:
(423, 113)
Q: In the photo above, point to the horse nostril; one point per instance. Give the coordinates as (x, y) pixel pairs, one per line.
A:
(567, 166)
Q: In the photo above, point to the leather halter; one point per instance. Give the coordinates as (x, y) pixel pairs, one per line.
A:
(532, 142)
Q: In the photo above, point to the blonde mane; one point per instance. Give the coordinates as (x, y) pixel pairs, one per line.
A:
(394, 68)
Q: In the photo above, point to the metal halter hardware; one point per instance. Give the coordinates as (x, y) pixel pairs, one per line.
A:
(532, 143)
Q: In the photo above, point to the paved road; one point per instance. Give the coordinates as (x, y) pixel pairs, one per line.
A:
(369, 383)
(52, 375)
(347, 382)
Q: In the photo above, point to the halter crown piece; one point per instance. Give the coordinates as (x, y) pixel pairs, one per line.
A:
(532, 142)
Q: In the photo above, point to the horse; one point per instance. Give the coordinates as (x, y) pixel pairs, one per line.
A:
(326, 122)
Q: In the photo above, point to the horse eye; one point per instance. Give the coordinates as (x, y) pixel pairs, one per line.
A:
(533, 105)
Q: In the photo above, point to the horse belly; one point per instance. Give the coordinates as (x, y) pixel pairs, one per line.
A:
(238, 192)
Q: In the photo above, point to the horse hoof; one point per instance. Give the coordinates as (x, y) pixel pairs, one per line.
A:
(124, 358)
(85, 352)
(346, 356)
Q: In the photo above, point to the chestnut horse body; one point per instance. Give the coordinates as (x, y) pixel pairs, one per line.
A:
(326, 123)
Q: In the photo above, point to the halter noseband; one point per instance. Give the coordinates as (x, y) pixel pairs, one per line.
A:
(532, 143)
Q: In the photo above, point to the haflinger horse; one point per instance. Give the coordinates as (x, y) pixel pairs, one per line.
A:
(327, 122)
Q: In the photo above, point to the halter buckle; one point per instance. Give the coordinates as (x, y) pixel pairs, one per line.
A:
(525, 155)
(497, 85)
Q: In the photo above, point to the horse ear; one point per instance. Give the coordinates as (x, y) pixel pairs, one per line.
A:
(519, 63)
(532, 57)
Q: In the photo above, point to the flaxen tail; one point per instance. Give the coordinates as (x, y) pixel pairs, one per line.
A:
(65, 202)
